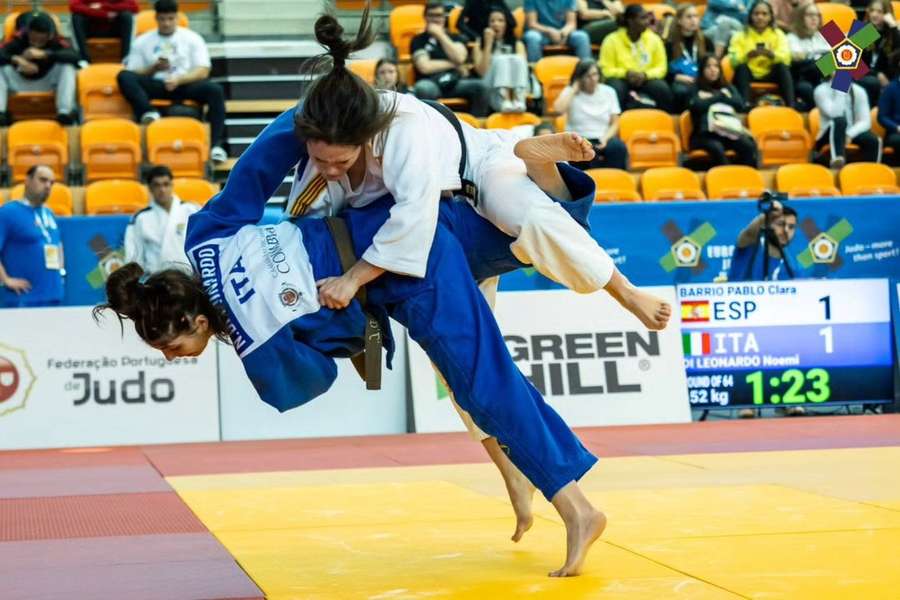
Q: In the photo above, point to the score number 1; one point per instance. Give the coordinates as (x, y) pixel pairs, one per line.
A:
(827, 332)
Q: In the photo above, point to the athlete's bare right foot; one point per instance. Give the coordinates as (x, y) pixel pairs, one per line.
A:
(653, 312)
(581, 532)
(521, 495)
(557, 147)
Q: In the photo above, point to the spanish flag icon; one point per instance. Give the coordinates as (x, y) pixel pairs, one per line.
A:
(695, 311)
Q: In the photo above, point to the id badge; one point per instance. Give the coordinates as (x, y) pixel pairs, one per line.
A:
(51, 257)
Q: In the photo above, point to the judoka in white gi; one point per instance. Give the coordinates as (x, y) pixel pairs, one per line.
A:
(155, 236)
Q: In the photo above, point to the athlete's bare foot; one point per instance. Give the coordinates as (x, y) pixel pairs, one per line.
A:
(521, 495)
(554, 148)
(653, 312)
(580, 535)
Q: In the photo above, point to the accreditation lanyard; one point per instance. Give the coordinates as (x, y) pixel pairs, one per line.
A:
(44, 222)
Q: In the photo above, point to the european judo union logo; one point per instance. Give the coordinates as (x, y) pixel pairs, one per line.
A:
(845, 58)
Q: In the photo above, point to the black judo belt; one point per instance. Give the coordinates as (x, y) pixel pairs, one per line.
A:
(468, 190)
(367, 362)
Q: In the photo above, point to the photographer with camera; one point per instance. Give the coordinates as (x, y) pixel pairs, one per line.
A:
(759, 252)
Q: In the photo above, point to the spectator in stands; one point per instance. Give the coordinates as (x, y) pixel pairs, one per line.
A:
(102, 18)
(749, 262)
(761, 53)
(881, 55)
(500, 59)
(553, 22)
(716, 123)
(807, 45)
(172, 63)
(155, 236)
(845, 116)
(784, 11)
(38, 59)
(722, 19)
(889, 115)
(439, 59)
(473, 19)
(685, 46)
(592, 111)
(599, 18)
(633, 62)
(387, 76)
(31, 252)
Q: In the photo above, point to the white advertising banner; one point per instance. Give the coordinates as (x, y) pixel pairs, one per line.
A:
(346, 409)
(67, 381)
(594, 362)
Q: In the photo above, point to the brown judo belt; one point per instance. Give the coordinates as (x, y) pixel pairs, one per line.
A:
(367, 362)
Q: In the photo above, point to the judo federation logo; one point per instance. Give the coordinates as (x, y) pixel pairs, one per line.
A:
(16, 379)
(686, 250)
(822, 248)
(289, 295)
(845, 58)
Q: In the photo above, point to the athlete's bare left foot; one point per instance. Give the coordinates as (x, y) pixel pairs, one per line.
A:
(653, 312)
(581, 532)
(554, 148)
(521, 495)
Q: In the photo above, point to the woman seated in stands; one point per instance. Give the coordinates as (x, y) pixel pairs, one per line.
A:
(761, 53)
(717, 124)
(500, 59)
(807, 45)
(592, 111)
(387, 76)
(845, 117)
(882, 54)
(685, 46)
(633, 62)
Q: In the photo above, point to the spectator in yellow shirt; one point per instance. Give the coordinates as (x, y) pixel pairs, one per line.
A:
(633, 62)
(761, 53)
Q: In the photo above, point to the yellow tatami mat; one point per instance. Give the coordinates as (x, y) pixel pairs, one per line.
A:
(814, 524)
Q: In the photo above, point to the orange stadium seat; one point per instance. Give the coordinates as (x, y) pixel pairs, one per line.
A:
(180, 143)
(60, 200)
(110, 149)
(650, 137)
(99, 95)
(115, 197)
(554, 73)
(470, 119)
(614, 185)
(671, 183)
(453, 19)
(365, 68)
(146, 21)
(756, 86)
(814, 119)
(191, 189)
(659, 11)
(801, 180)
(510, 120)
(734, 181)
(519, 15)
(841, 14)
(406, 22)
(38, 142)
(866, 179)
(685, 129)
(780, 135)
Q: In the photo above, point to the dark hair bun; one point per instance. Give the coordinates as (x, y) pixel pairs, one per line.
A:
(122, 289)
(329, 33)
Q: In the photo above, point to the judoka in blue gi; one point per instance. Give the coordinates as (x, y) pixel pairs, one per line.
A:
(255, 286)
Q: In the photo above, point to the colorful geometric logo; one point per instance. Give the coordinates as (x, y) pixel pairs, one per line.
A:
(823, 245)
(686, 250)
(845, 58)
(16, 379)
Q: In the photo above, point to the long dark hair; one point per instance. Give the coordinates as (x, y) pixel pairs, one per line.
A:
(339, 107)
(509, 36)
(162, 305)
(705, 84)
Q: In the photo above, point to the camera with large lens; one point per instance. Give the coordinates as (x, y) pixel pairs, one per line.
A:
(766, 201)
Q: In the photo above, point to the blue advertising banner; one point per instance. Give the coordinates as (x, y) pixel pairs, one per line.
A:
(93, 249)
(692, 242)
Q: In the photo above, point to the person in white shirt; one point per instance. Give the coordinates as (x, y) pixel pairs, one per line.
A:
(592, 111)
(843, 117)
(155, 237)
(807, 45)
(172, 63)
